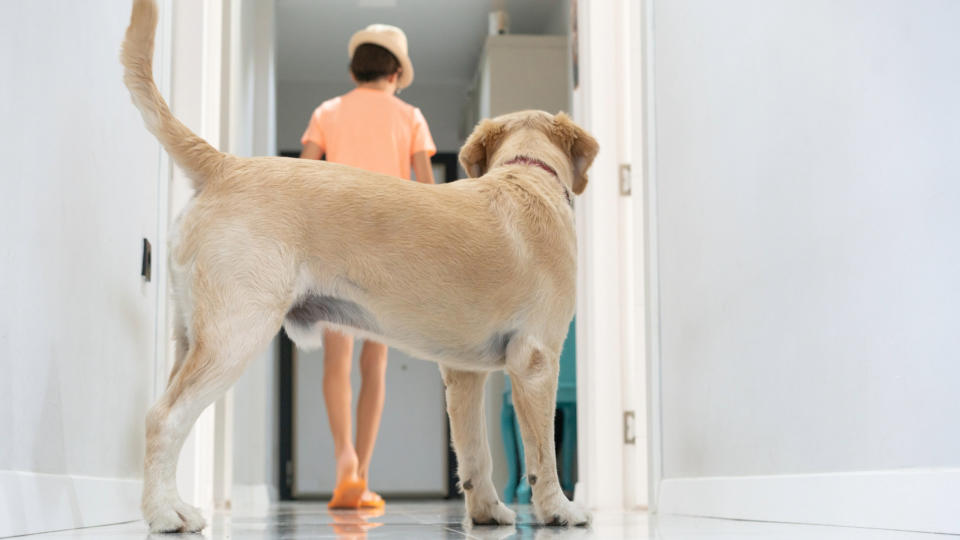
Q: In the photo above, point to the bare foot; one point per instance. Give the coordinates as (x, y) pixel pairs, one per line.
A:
(370, 499)
(347, 465)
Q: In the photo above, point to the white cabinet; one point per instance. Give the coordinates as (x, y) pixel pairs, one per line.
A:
(518, 72)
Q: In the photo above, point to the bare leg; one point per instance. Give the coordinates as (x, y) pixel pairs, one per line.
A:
(337, 356)
(373, 367)
(468, 430)
(533, 373)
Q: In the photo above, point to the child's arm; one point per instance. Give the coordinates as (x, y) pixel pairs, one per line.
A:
(311, 150)
(421, 167)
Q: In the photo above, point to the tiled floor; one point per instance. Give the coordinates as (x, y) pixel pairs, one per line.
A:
(442, 519)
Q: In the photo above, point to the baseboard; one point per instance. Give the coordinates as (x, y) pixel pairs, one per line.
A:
(923, 500)
(35, 502)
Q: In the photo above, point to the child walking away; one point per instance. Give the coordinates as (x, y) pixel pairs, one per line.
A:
(370, 128)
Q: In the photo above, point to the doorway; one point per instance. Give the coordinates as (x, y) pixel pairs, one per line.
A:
(446, 42)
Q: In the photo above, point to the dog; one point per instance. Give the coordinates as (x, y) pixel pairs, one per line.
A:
(477, 275)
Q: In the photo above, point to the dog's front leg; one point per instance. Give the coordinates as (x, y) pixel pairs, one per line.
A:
(533, 374)
(464, 390)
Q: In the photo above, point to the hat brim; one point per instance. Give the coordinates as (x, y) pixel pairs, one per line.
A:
(363, 36)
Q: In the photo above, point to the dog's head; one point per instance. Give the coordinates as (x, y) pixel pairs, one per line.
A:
(553, 139)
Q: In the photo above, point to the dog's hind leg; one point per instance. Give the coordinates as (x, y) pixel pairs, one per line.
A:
(223, 341)
(464, 390)
(182, 344)
(533, 373)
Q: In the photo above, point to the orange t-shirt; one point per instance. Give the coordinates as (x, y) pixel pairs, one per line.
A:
(370, 129)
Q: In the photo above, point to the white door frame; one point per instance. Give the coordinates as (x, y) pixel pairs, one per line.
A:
(163, 352)
(638, 457)
(643, 69)
(611, 344)
(193, 87)
(611, 348)
(206, 92)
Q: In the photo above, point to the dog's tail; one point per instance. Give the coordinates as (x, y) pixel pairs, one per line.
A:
(195, 156)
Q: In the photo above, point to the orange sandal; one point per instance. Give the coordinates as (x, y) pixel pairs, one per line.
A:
(348, 494)
(371, 500)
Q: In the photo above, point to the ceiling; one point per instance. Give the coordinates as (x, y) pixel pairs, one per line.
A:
(445, 36)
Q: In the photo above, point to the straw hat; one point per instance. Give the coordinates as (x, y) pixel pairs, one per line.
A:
(390, 38)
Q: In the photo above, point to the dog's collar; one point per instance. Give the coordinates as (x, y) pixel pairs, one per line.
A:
(525, 160)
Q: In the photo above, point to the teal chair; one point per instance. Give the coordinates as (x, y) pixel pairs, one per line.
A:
(518, 490)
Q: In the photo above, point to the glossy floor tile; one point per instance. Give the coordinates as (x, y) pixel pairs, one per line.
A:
(443, 519)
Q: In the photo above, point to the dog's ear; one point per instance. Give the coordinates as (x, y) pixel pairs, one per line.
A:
(473, 155)
(579, 144)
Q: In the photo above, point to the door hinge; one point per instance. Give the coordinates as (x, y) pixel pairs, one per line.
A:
(289, 473)
(629, 427)
(626, 181)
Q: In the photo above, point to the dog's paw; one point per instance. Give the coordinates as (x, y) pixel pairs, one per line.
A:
(192, 518)
(494, 513)
(166, 521)
(562, 512)
(177, 518)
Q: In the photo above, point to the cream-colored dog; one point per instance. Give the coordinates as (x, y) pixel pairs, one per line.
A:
(477, 275)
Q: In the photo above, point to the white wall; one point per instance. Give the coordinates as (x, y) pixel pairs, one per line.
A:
(806, 176)
(77, 327)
